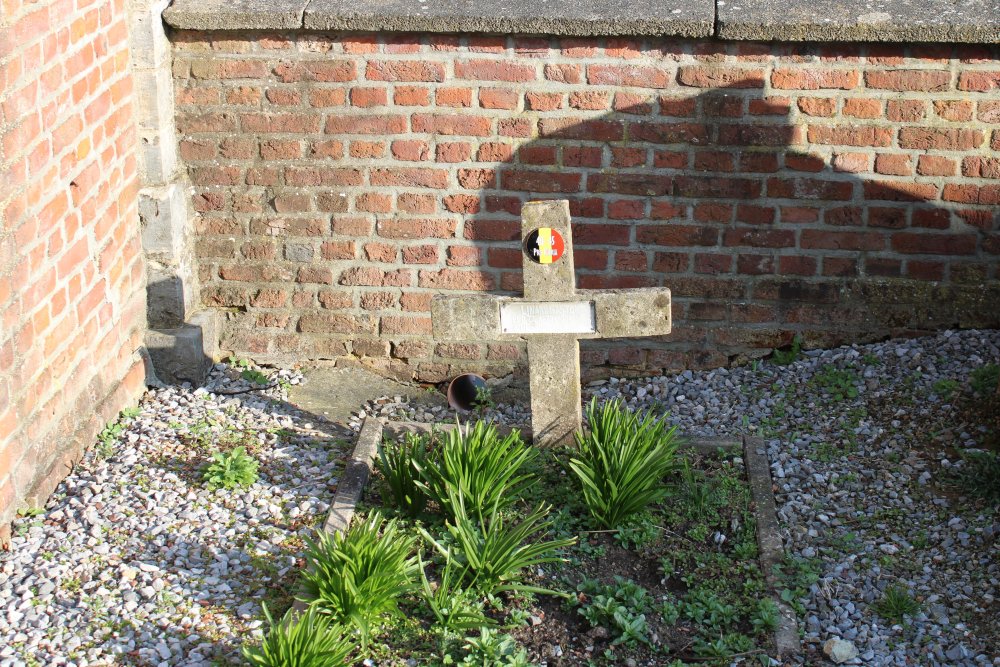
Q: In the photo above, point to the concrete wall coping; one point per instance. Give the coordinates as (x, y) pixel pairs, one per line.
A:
(964, 21)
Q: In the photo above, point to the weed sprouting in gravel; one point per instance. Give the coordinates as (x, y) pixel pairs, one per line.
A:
(985, 379)
(980, 476)
(838, 383)
(896, 604)
(946, 388)
(786, 357)
(231, 469)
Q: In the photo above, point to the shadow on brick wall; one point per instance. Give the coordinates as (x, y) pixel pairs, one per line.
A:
(765, 216)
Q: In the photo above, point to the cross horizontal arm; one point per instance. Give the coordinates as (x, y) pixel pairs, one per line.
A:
(614, 314)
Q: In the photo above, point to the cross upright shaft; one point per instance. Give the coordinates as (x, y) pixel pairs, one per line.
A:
(552, 316)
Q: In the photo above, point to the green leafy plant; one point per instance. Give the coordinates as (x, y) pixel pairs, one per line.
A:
(358, 576)
(254, 376)
(765, 617)
(478, 466)
(637, 531)
(980, 475)
(454, 609)
(945, 388)
(896, 603)
(704, 607)
(622, 461)
(231, 469)
(491, 649)
(619, 607)
(400, 464)
(492, 552)
(669, 611)
(838, 383)
(484, 399)
(311, 640)
(785, 357)
(984, 379)
(108, 436)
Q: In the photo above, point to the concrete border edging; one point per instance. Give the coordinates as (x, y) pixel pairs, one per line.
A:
(359, 467)
(356, 474)
(786, 637)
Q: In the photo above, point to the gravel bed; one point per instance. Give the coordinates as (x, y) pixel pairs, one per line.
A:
(862, 450)
(134, 561)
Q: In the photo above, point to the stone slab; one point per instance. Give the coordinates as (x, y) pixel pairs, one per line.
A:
(971, 21)
(550, 17)
(235, 14)
(631, 312)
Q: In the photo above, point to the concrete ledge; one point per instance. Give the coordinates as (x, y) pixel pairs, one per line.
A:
(964, 21)
(550, 17)
(969, 21)
(235, 14)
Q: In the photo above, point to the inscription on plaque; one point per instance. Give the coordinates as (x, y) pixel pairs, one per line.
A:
(527, 317)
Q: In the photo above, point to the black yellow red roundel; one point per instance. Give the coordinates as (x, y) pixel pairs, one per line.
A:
(544, 245)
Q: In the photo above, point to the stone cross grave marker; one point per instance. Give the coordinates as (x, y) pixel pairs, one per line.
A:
(552, 316)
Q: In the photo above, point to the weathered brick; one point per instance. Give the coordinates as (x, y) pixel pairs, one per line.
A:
(934, 244)
(498, 98)
(366, 124)
(416, 228)
(452, 124)
(953, 139)
(456, 279)
(979, 82)
(341, 323)
(404, 70)
(494, 70)
(893, 164)
(638, 76)
(815, 79)
(708, 76)
(928, 81)
(850, 135)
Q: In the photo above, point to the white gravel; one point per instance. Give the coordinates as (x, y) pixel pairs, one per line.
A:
(135, 561)
(861, 485)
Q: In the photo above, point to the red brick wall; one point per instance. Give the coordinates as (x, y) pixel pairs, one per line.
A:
(844, 192)
(71, 274)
